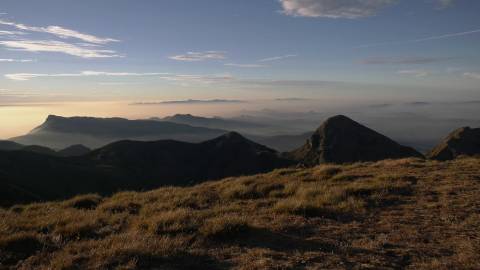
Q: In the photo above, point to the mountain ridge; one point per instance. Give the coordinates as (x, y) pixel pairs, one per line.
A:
(341, 140)
(462, 141)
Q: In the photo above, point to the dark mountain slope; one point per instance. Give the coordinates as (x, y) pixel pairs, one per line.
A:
(463, 141)
(180, 163)
(74, 151)
(132, 165)
(341, 140)
(9, 145)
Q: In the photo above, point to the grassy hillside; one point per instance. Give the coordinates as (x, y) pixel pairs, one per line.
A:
(392, 214)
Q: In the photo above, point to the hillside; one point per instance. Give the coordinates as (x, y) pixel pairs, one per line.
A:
(392, 214)
(131, 165)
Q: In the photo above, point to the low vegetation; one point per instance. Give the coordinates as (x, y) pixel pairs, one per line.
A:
(393, 214)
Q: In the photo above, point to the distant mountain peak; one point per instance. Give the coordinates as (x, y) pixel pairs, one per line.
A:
(232, 135)
(52, 117)
(74, 150)
(341, 140)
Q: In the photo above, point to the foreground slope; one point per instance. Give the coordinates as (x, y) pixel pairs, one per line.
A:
(341, 140)
(392, 214)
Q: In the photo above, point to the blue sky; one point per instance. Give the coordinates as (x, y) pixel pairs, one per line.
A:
(154, 50)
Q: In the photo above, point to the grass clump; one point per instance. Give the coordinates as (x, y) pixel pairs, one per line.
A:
(87, 202)
(16, 247)
(224, 228)
(173, 222)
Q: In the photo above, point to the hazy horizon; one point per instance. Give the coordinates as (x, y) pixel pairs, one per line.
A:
(89, 59)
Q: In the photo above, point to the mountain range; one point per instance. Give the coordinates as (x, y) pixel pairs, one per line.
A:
(59, 132)
(144, 165)
(70, 151)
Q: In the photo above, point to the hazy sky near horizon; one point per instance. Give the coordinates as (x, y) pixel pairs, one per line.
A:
(57, 51)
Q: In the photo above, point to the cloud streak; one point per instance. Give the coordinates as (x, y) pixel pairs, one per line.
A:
(472, 75)
(402, 60)
(180, 78)
(245, 65)
(190, 101)
(439, 37)
(444, 3)
(199, 56)
(7, 60)
(60, 32)
(418, 73)
(58, 47)
(335, 9)
(277, 58)
(10, 33)
(29, 76)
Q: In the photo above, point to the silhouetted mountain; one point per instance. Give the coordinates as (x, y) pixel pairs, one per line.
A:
(71, 151)
(74, 151)
(28, 176)
(132, 165)
(341, 140)
(463, 141)
(181, 163)
(9, 145)
(60, 132)
(39, 150)
(13, 146)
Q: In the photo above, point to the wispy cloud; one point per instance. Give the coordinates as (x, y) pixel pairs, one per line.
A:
(199, 56)
(180, 78)
(447, 36)
(291, 99)
(245, 65)
(60, 32)
(276, 58)
(10, 33)
(349, 9)
(185, 79)
(59, 47)
(430, 38)
(418, 73)
(472, 75)
(402, 60)
(441, 4)
(29, 76)
(190, 101)
(8, 60)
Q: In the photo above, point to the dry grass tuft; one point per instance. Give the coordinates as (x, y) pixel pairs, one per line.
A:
(224, 228)
(88, 201)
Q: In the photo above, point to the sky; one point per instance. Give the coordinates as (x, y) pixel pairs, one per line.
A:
(118, 57)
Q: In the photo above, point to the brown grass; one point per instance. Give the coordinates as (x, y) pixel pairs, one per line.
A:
(393, 214)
